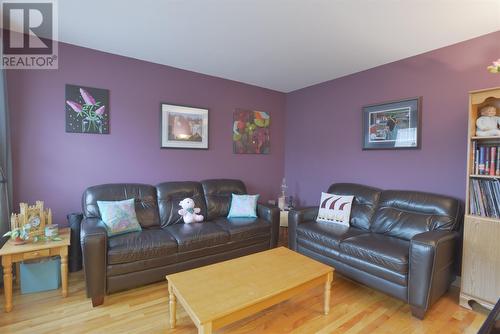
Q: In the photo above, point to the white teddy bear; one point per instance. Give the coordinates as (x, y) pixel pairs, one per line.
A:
(487, 124)
(188, 212)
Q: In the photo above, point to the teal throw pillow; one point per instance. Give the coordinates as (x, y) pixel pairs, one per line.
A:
(119, 216)
(243, 206)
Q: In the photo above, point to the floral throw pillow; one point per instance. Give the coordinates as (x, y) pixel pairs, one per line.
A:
(119, 216)
(335, 209)
(243, 206)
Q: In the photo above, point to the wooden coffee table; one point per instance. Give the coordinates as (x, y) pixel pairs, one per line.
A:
(222, 293)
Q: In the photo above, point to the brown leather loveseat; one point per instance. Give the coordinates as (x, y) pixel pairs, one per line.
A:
(165, 244)
(403, 243)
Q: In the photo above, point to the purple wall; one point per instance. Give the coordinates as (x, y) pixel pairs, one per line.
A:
(56, 167)
(323, 127)
(323, 123)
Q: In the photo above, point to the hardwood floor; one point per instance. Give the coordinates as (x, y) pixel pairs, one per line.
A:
(354, 309)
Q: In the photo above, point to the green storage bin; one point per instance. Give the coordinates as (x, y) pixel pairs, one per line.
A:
(40, 275)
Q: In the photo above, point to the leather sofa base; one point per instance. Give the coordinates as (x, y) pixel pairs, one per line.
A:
(366, 267)
(390, 288)
(140, 278)
(126, 268)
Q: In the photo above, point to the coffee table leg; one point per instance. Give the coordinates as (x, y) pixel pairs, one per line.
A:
(328, 284)
(173, 306)
(7, 281)
(205, 328)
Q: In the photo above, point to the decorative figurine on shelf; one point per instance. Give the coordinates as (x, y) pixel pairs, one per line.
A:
(188, 212)
(31, 220)
(282, 198)
(487, 124)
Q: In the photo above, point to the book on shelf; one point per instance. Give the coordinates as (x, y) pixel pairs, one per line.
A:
(497, 170)
(484, 198)
(481, 160)
(475, 158)
(485, 159)
(493, 159)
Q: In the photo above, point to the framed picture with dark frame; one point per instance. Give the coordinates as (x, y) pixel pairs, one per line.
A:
(183, 127)
(392, 125)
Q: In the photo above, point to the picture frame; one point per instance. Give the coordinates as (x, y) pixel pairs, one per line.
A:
(251, 132)
(392, 125)
(87, 109)
(183, 127)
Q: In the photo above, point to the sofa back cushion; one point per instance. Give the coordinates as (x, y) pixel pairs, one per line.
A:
(171, 193)
(218, 193)
(146, 204)
(403, 214)
(363, 205)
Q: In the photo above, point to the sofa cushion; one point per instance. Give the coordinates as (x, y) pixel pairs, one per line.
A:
(197, 235)
(243, 206)
(244, 228)
(403, 214)
(146, 205)
(363, 205)
(218, 193)
(171, 193)
(384, 251)
(326, 234)
(142, 245)
(119, 217)
(335, 209)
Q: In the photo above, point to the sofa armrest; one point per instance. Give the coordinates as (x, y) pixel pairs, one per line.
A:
(272, 215)
(296, 217)
(432, 256)
(94, 242)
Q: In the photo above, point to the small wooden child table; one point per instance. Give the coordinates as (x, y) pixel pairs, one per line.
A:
(11, 253)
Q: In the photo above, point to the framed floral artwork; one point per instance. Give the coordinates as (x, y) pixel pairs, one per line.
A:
(183, 127)
(87, 110)
(251, 132)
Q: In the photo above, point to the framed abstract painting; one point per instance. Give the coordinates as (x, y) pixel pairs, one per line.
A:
(183, 127)
(87, 110)
(392, 125)
(251, 132)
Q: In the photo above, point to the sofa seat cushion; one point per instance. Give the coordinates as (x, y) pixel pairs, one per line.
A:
(327, 234)
(197, 235)
(135, 246)
(244, 228)
(381, 250)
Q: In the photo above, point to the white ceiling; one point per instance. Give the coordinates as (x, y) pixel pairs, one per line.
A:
(278, 44)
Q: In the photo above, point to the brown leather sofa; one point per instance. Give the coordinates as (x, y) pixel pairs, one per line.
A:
(167, 245)
(403, 243)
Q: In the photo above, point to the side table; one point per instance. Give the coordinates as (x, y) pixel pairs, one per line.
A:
(11, 253)
(283, 237)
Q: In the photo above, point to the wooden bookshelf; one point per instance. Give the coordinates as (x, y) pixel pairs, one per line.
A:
(480, 280)
(484, 138)
(487, 219)
(485, 176)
